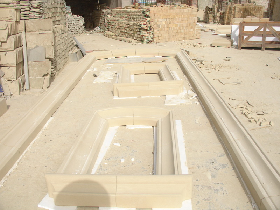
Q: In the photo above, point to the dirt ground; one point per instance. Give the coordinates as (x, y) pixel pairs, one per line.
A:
(247, 80)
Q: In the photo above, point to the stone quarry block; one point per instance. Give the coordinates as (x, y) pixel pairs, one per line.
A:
(222, 42)
(45, 39)
(36, 82)
(12, 14)
(4, 35)
(37, 53)
(12, 43)
(40, 68)
(3, 106)
(39, 25)
(34, 39)
(12, 58)
(13, 72)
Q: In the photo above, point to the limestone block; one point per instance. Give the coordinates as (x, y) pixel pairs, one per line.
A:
(10, 14)
(36, 82)
(49, 52)
(39, 68)
(45, 39)
(13, 72)
(39, 25)
(37, 53)
(12, 58)
(221, 42)
(12, 43)
(3, 25)
(3, 106)
(4, 35)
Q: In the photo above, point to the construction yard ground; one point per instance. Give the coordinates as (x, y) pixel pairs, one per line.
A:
(248, 80)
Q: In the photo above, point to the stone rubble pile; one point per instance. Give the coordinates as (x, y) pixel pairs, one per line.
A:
(75, 23)
(150, 24)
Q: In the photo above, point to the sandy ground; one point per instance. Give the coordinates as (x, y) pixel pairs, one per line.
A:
(248, 81)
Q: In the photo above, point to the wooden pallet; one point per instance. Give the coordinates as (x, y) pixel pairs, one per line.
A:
(261, 35)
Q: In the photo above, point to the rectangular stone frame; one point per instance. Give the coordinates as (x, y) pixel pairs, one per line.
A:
(167, 86)
(165, 189)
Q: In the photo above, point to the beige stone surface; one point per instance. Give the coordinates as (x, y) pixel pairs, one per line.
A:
(12, 43)
(9, 14)
(38, 25)
(12, 58)
(39, 68)
(3, 106)
(13, 72)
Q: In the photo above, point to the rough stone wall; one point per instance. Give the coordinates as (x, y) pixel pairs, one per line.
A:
(150, 24)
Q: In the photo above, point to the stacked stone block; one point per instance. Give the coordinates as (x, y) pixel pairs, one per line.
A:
(75, 23)
(39, 34)
(173, 23)
(11, 59)
(242, 11)
(63, 41)
(151, 24)
(55, 10)
(127, 23)
(31, 9)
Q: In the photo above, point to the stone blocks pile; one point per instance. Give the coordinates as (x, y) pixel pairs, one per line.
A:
(40, 46)
(173, 23)
(64, 43)
(127, 23)
(75, 23)
(55, 10)
(11, 57)
(151, 24)
(242, 11)
(31, 9)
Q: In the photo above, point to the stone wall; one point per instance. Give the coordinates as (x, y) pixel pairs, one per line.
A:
(150, 24)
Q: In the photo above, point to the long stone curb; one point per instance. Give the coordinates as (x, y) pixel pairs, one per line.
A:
(20, 136)
(257, 172)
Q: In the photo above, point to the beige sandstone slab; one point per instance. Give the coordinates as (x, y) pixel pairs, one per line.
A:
(165, 189)
(19, 137)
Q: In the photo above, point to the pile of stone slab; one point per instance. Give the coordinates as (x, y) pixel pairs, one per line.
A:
(31, 9)
(55, 10)
(47, 39)
(63, 41)
(40, 47)
(11, 59)
(173, 23)
(75, 23)
(150, 24)
(242, 11)
(127, 23)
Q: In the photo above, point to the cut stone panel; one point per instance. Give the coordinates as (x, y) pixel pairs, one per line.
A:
(147, 73)
(154, 189)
